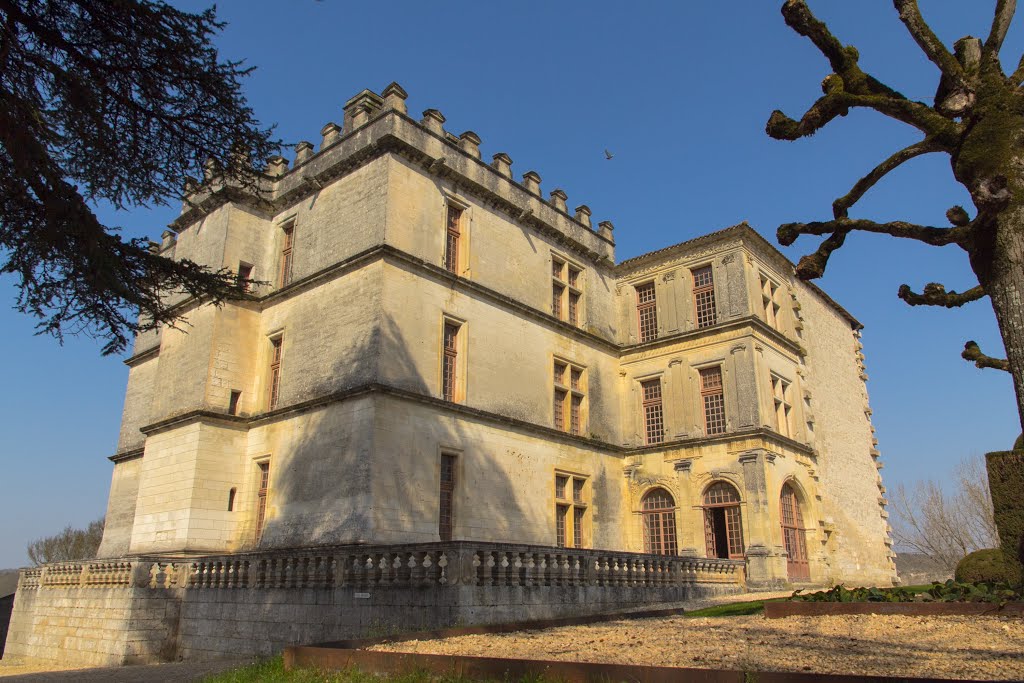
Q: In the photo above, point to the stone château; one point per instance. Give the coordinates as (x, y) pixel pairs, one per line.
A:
(437, 351)
(441, 401)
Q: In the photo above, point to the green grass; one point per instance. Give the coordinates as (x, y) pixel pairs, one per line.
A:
(273, 671)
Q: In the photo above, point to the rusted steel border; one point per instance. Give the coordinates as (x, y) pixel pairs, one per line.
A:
(777, 610)
(494, 668)
(485, 629)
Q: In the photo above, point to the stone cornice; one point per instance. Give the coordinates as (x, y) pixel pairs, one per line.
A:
(124, 456)
(751, 321)
(141, 356)
(245, 423)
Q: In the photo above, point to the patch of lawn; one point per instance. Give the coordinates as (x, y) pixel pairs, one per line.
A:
(273, 671)
(733, 609)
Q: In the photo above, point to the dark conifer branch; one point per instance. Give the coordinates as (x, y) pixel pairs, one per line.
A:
(973, 354)
(841, 206)
(1017, 77)
(910, 15)
(1000, 25)
(935, 294)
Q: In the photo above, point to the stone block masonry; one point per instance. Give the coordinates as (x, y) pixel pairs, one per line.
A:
(154, 609)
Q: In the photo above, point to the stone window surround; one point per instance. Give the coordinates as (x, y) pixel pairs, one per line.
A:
(574, 507)
(569, 393)
(273, 385)
(286, 249)
(461, 359)
(457, 472)
(258, 462)
(661, 377)
(453, 200)
(569, 287)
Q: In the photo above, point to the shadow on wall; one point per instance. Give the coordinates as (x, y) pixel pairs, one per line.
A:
(368, 469)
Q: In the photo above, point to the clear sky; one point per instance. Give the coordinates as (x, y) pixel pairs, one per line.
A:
(680, 93)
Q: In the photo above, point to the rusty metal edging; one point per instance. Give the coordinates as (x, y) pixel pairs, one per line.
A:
(494, 668)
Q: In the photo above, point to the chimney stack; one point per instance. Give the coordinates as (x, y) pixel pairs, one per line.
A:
(394, 98)
(303, 152)
(502, 164)
(433, 120)
(531, 181)
(331, 133)
(470, 143)
(558, 197)
(583, 214)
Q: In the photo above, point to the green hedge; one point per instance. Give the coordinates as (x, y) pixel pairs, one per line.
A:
(1006, 482)
(986, 565)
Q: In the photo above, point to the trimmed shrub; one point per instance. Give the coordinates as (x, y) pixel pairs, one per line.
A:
(986, 565)
(1006, 482)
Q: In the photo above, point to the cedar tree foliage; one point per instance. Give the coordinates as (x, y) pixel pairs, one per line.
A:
(111, 101)
(977, 118)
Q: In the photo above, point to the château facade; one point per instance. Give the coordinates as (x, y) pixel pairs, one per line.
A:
(431, 350)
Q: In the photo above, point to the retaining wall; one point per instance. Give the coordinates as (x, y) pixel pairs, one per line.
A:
(151, 609)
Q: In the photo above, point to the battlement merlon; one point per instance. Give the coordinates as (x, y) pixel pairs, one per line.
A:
(379, 126)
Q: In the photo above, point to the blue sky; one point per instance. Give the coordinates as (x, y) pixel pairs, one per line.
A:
(680, 93)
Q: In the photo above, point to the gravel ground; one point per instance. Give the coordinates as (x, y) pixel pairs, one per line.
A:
(178, 672)
(941, 647)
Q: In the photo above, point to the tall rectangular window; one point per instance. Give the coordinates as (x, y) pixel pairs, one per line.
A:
(570, 510)
(783, 407)
(568, 398)
(449, 361)
(453, 233)
(233, 401)
(769, 299)
(287, 243)
(275, 371)
(566, 292)
(647, 312)
(654, 418)
(704, 296)
(261, 498)
(445, 517)
(712, 393)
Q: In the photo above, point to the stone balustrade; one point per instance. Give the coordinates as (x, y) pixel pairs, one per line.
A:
(397, 566)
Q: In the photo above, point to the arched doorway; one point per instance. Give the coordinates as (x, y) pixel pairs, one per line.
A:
(659, 514)
(723, 531)
(793, 535)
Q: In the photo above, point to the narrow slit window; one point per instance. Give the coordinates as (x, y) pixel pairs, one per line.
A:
(453, 235)
(235, 397)
(231, 500)
(244, 277)
(275, 371)
(261, 498)
(449, 361)
(287, 245)
(446, 516)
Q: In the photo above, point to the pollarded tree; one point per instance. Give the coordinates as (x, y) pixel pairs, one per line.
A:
(977, 118)
(112, 102)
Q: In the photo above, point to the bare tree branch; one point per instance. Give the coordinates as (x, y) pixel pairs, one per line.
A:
(936, 295)
(1000, 25)
(841, 206)
(813, 265)
(972, 352)
(937, 237)
(926, 39)
(1017, 77)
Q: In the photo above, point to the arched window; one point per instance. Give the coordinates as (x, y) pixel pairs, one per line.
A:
(793, 535)
(659, 513)
(723, 531)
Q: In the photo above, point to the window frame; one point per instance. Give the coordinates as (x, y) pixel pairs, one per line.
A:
(446, 531)
(453, 390)
(782, 404)
(262, 497)
(707, 396)
(652, 410)
(274, 370)
(733, 517)
(567, 289)
(701, 307)
(286, 261)
(453, 247)
(664, 520)
(770, 307)
(572, 521)
(646, 332)
(568, 407)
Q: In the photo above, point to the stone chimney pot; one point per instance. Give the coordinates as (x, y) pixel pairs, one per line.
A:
(583, 214)
(470, 143)
(331, 133)
(502, 164)
(277, 166)
(434, 120)
(394, 98)
(191, 185)
(605, 229)
(168, 238)
(211, 168)
(558, 197)
(531, 181)
(303, 152)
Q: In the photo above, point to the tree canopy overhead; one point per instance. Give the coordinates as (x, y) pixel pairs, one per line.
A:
(112, 101)
(977, 118)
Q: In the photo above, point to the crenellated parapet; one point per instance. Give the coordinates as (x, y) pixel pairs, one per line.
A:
(377, 124)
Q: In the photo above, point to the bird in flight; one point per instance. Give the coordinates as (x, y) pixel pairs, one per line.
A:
(608, 155)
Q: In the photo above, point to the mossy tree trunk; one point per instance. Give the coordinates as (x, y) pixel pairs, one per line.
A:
(977, 118)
